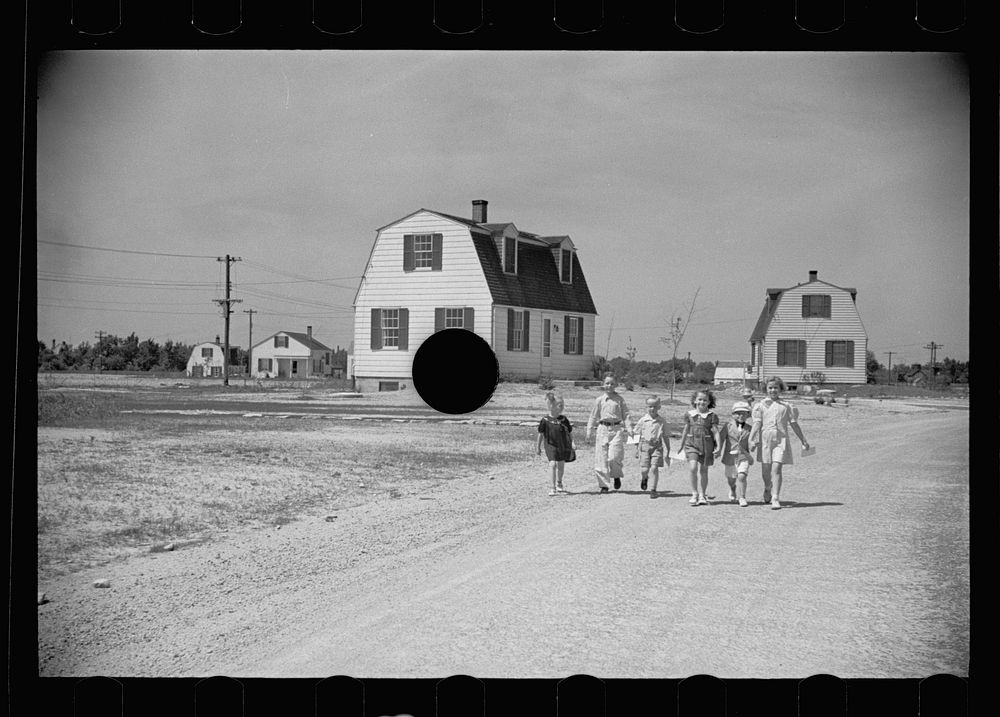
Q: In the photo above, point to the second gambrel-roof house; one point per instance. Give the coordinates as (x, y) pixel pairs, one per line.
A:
(810, 333)
(524, 293)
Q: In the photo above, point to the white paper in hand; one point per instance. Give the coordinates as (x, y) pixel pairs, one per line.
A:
(810, 451)
(633, 439)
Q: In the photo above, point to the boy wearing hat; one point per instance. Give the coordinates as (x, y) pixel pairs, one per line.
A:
(734, 446)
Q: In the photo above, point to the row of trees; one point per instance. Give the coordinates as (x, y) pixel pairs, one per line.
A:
(643, 373)
(114, 353)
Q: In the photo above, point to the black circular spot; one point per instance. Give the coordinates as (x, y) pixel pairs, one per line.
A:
(455, 371)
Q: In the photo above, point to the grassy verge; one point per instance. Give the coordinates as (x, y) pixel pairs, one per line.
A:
(107, 493)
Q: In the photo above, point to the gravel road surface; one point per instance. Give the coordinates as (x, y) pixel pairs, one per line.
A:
(863, 573)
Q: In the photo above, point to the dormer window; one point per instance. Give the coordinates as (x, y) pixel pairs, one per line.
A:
(510, 255)
(566, 266)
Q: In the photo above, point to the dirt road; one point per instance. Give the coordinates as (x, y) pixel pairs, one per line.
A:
(864, 573)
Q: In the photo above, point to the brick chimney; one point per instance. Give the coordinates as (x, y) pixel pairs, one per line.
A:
(217, 338)
(812, 275)
(309, 331)
(479, 211)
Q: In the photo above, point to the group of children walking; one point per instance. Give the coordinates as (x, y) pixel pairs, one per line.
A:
(754, 432)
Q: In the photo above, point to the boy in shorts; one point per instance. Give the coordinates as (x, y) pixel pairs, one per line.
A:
(734, 447)
(654, 444)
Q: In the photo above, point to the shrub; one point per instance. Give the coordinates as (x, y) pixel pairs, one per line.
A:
(546, 383)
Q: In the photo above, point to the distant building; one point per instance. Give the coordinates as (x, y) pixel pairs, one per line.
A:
(289, 354)
(206, 360)
(808, 329)
(730, 372)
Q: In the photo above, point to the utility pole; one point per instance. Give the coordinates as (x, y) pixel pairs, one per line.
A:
(933, 347)
(227, 310)
(100, 347)
(250, 341)
(890, 364)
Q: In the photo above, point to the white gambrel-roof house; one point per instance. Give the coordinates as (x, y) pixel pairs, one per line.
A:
(525, 294)
(810, 329)
(206, 360)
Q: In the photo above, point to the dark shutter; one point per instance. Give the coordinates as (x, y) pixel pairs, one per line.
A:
(566, 321)
(470, 319)
(524, 344)
(850, 353)
(404, 325)
(826, 306)
(436, 242)
(510, 329)
(829, 353)
(802, 353)
(806, 305)
(408, 262)
(438, 319)
(579, 335)
(781, 353)
(376, 329)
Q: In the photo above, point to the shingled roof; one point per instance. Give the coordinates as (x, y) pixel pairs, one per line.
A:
(537, 284)
(308, 340)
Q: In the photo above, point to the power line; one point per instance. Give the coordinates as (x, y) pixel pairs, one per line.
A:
(127, 251)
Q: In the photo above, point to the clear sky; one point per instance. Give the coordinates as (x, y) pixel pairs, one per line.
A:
(728, 172)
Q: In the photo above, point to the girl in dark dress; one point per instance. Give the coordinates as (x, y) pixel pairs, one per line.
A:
(554, 433)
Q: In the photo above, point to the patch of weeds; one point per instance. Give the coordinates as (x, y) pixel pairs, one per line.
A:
(59, 408)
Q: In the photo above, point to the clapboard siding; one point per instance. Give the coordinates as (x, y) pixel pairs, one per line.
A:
(531, 363)
(787, 323)
(459, 283)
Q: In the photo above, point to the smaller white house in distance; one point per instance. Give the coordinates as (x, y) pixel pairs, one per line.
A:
(289, 354)
(730, 372)
(206, 360)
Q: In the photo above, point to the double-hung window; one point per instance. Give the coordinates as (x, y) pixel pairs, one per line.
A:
(816, 306)
(423, 251)
(281, 342)
(390, 328)
(517, 330)
(792, 353)
(573, 342)
(454, 317)
(840, 353)
(207, 352)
